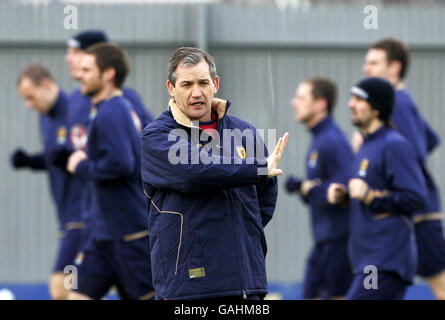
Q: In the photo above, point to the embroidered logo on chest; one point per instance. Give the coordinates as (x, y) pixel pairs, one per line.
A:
(78, 137)
(363, 167)
(313, 157)
(93, 113)
(241, 152)
(61, 135)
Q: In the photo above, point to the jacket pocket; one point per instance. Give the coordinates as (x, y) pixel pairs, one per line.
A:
(170, 229)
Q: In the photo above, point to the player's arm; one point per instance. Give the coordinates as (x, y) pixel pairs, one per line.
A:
(406, 193)
(336, 160)
(116, 157)
(162, 167)
(432, 138)
(22, 159)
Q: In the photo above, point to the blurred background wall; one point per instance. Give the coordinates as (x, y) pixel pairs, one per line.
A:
(261, 51)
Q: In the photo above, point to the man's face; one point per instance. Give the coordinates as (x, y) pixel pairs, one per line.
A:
(74, 57)
(304, 103)
(361, 112)
(376, 64)
(90, 76)
(194, 90)
(36, 97)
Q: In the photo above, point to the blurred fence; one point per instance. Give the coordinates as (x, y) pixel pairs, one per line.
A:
(261, 54)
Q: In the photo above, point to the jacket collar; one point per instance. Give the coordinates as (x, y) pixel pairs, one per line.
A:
(377, 133)
(319, 127)
(59, 105)
(219, 106)
(114, 93)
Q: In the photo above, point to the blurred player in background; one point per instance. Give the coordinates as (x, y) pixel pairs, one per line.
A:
(41, 93)
(118, 248)
(206, 219)
(389, 59)
(386, 188)
(81, 109)
(82, 112)
(328, 272)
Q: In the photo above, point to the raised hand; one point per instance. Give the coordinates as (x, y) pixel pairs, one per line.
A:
(275, 156)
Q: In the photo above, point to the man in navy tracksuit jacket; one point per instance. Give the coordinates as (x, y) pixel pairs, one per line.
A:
(389, 58)
(41, 93)
(118, 246)
(328, 272)
(82, 111)
(386, 188)
(210, 190)
(81, 114)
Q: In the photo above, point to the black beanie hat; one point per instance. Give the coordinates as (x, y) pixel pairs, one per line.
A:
(379, 93)
(86, 39)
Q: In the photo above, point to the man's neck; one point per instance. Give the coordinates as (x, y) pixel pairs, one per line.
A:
(54, 93)
(396, 82)
(316, 119)
(107, 92)
(373, 126)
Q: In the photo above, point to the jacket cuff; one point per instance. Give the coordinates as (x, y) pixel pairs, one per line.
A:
(82, 168)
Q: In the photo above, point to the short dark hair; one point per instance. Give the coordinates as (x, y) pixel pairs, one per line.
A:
(395, 51)
(110, 55)
(189, 56)
(324, 88)
(36, 73)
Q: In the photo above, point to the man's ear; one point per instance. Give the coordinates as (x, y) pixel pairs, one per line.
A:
(109, 74)
(395, 67)
(216, 84)
(322, 105)
(46, 83)
(170, 89)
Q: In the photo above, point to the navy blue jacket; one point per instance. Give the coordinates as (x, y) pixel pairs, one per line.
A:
(118, 202)
(329, 159)
(381, 228)
(416, 130)
(81, 115)
(206, 220)
(65, 188)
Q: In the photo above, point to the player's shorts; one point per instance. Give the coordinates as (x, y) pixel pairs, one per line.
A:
(70, 244)
(430, 247)
(328, 271)
(102, 264)
(390, 286)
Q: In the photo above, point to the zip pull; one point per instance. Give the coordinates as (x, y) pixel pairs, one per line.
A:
(244, 295)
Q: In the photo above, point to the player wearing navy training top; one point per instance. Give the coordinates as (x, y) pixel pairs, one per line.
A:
(389, 59)
(328, 272)
(118, 247)
(41, 93)
(82, 112)
(386, 188)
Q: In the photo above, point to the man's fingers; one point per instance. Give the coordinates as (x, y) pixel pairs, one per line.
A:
(285, 138)
(281, 145)
(276, 172)
(277, 147)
